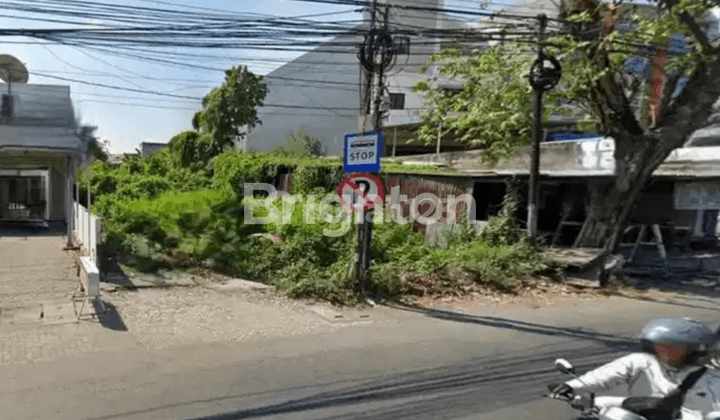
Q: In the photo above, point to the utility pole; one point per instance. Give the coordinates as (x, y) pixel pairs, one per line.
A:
(542, 79)
(376, 57)
(535, 156)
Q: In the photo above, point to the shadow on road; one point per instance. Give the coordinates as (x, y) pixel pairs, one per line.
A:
(111, 318)
(690, 273)
(712, 305)
(609, 340)
(117, 277)
(452, 390)
(15, 230)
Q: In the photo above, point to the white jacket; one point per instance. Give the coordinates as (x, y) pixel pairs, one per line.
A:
(702, 401)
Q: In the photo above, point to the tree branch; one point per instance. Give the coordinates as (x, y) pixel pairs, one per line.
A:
(690, 110)
(694, 27)
(611, 89)
(670, 87)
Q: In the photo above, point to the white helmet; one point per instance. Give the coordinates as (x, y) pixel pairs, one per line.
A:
(697, 337)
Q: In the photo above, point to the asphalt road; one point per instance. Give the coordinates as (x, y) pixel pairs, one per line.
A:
(439, 365)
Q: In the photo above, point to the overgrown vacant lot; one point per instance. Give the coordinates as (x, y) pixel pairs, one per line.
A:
(159, 213)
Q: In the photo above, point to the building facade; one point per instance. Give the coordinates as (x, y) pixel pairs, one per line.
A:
(324, 92)
(39, 150)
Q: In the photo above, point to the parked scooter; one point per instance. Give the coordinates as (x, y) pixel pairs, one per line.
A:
(628, 408)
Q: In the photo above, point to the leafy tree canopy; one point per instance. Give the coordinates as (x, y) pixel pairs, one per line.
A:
(230, 108)
(648, 114)
(493, 108)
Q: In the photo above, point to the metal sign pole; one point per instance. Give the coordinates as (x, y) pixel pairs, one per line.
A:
(377, 67)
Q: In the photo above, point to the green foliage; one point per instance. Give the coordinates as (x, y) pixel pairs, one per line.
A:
(97, 151)
(318, 179)
(502, 229)
(304, 261)
(400, 252)
(192, 149)
(498, 266)
(171, 210)
(139, 177)
(493, 110)
(201, 228)
(492, 115)
(230, 107)
(395, 167)
(232, 170)
(300, 144)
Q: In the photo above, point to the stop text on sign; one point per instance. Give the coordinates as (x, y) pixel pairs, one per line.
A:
(362, 152)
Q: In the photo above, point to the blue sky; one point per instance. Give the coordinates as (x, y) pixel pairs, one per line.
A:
(128, 118)
(126, 126)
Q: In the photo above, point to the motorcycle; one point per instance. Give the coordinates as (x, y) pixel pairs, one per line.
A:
(627, 408)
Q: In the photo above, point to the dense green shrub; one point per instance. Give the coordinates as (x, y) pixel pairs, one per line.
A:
(300, 144)
(197, 228)
(171, 210)
(232, 170)
(318, 178)
(502, 229)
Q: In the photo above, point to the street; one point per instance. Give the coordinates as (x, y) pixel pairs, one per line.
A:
(493, 362)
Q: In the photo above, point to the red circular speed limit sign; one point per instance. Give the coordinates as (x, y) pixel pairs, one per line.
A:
(362, 190)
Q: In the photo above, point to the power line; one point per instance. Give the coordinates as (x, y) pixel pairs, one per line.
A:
(198, 98)
(149, 92)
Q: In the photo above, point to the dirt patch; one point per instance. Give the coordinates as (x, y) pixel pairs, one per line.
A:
(531, 292)
(162, 317)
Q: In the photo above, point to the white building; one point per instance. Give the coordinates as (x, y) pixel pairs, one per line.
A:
(321, 92)
(39, 151)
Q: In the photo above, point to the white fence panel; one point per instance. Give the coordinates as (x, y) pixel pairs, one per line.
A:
(87, 231)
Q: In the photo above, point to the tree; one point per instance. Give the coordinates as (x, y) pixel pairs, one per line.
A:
(494, 114)
(91, 147)
(192, 149)
(300, 144)
(230, 107)
(495, 101)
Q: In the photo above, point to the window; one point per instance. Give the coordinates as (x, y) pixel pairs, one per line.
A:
(397, 101)
(401, 45)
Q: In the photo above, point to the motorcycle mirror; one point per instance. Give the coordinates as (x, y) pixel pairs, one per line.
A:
(565, 367)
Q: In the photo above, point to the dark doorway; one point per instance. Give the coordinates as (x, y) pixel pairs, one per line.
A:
(488, 196)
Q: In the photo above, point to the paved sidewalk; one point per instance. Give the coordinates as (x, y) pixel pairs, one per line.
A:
(20, 345)
(34, 268)
(167, 317)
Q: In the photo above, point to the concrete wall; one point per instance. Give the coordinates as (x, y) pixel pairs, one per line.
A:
(41, 105)
(406, 72)
(148, 149)
(321, 91)
(568, 158)
(310, 89)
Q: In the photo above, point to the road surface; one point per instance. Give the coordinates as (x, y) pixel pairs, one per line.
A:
(489, 364)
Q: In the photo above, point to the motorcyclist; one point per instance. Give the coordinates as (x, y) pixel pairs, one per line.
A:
(671, 349)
